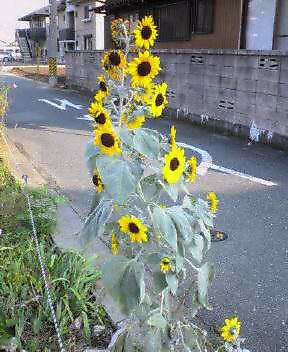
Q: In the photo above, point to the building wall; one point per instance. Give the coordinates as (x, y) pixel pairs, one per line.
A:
(244, 92)
(94, 26)
(260, 24)
(226, 31)
(281, 26)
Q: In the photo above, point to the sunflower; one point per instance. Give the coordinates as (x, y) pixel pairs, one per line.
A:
(144, 94)
(133, 227)
(192, 169)
(174, 165)
(145, 33)
(231, 330)
(158, 101)
(137, 122)
(94, 108)
(103, 90)
(114, 63)
(107, 140)
(143, 69)
(97, 181)
(115, 245)
(102, 118)
(165, 264)
(213, 202)
(173, 136)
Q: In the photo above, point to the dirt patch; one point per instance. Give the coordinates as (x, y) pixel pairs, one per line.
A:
(43, 74)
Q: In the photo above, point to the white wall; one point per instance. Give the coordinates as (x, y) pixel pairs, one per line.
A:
(260, 24)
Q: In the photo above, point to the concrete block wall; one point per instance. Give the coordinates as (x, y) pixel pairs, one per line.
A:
(244, 92)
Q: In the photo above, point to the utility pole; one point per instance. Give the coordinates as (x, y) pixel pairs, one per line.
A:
(52, 48)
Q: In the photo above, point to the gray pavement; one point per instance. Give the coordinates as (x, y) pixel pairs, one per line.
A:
(251, 266)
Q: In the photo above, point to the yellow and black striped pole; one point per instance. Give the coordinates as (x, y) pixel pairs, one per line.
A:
(52, 49)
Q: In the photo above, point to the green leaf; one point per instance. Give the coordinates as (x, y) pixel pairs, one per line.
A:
(153, 342)
(146, 144)
(172, 282)
(118, 341)
(180, 257)
(191, 339)
(205, 276)
(180, 220)
(91, 153)
(165, 226)
(160, 283)
(171, 190)
(150, 187)
(196, 247)
(124, 280)
(94, 225)
(117, 177)
(157, 320)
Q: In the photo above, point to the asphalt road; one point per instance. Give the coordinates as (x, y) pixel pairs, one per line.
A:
(251, 266)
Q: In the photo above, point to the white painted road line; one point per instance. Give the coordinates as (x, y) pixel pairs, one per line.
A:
(242, 175)
(206, 158)
(85, 118)
(207, 163)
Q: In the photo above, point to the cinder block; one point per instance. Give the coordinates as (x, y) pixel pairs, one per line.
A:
(211, 81)
(247, 61)
(246, 73)
(245, 102)
(214, 60)
(283, 90)
(265, 102)
(212, 70)
(246, 85)
(211, 92)
(283, 76)
(228, 71)
(282, 105)
(268, 75)
(267, 87)
(226, 82)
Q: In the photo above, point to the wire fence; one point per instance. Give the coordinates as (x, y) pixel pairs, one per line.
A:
(34, 236)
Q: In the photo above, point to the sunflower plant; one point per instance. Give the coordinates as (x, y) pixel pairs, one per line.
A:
(158, 273)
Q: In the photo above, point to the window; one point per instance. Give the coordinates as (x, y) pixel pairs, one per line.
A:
(202, 12)
(88, 42)
(178, 20)
(86, 12)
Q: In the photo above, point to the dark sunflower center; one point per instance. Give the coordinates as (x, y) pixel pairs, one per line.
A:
(102, 86)
(96, 180)
(146, 32)
(101, 118)
(159, 100)
(114, 59)
(107, 140)
(174, 164)
(144, 68)
(133, 227)
(165, 261)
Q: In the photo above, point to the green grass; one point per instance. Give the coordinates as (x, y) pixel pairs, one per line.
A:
(25, 317)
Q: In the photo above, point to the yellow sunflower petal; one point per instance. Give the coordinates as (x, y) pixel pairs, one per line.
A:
(145, 33)
(174, 165)
(97, 181)
(158, 100)
(133, 227)
(213, 202)
(107, 140)
(165, 264)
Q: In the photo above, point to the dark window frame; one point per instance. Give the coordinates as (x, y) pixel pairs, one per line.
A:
(193, 15)
(88, 38)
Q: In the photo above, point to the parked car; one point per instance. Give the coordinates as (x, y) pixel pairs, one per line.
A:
(16, 55)
(5, 56)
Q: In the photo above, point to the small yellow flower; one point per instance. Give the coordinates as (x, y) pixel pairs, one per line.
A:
(231, 330)
(165, 264)
(115, 245)
(133, 227)
(143, 69)
(94, 108)
(158, 100)
(103, 90)
(137, 122)
(97, 181)
(102, 118)
(174, 165)
(173, 136)
(107, 140)
(114, 63)
(213, 202)
(192, 169)
(145, 33)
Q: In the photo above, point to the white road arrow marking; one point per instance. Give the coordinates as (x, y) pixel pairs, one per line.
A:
(63, 104)
(85, 118)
